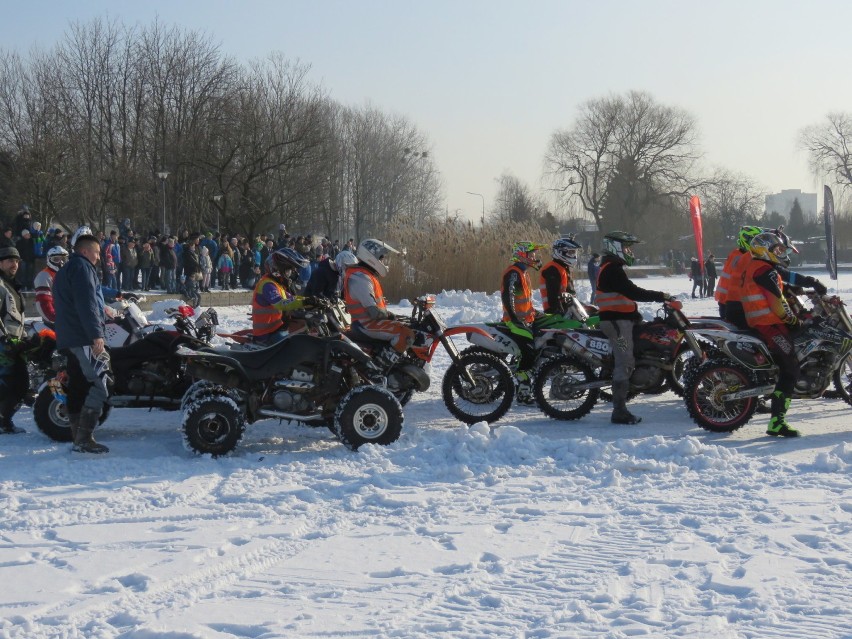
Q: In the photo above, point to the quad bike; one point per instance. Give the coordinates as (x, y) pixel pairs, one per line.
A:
(567, 386)
(145, 371)
(516, 344)
(722, 393)
(477, 386)
(318, 381)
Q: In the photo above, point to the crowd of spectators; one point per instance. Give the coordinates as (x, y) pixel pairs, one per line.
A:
(189, 262)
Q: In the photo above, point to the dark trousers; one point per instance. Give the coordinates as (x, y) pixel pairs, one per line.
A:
(780, 344)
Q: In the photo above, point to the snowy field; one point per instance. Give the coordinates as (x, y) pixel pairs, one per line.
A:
(527, 528)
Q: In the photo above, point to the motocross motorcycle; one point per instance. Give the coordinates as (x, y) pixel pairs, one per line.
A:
(722, 394)
(146, 373)
(318, 381)
(513, 343)
(566, 387)
(477, 386)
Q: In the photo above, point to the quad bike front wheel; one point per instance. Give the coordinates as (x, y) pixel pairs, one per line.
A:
(368, 415)
(490, 395)
(213, 425)
(704, 387)
(51, 416)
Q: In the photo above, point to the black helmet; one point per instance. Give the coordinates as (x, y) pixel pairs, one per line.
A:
(283, 260)
(619, 243)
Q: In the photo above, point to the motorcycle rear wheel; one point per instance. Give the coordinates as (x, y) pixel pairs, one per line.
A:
(51, 416)
(213, 425)
(368, 415)
(490, 396)
(843, 379)
(703, 387)
(554, 392)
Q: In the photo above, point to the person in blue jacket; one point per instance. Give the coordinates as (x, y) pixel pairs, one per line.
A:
(79, 303)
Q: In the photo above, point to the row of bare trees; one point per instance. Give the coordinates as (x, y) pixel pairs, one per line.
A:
(86, 128)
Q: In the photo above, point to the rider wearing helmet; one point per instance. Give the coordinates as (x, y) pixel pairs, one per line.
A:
(327, 278)
(616, 297)
(556, 277)
(728, 285)
(365, 299)
(272, 299)
(56, 259)
(767, 312)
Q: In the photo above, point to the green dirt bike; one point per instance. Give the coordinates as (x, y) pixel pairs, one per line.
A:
(525, 349)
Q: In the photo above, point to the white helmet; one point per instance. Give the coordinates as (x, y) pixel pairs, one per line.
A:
(56, 257)
(343, 260)
(80, 232)
(375, 254)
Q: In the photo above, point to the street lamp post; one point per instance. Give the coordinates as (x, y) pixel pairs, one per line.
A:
(483, 205)
(217, 199)
(163, 175)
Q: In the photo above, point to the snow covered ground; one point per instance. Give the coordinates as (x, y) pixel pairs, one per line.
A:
(525, 528)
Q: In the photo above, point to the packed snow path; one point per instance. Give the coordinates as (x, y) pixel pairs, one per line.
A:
(527, 528)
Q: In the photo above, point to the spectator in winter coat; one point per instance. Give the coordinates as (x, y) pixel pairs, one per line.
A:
(696, 276)
(39, 247)
(593, 268)
(709, 276)
(236, 256)
(206, 269)
(168, 265)
(225, 266)
(6, 240)
(129, 266)
(27, 270)
(146, 263)
(22, 221)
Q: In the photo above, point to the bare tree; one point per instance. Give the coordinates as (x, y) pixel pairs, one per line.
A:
(623, 154)
(731, 200)
(829, 147)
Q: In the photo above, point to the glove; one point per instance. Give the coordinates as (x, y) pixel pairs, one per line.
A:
(675, 304)
(819, 287)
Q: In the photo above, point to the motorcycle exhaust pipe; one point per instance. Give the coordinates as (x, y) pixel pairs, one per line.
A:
(570, 347)
(749, 392)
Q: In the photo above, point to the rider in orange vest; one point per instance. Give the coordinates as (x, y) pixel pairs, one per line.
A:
(616, 297)
(272, 299)
(555, 278)
(365, 300)
(516, 296)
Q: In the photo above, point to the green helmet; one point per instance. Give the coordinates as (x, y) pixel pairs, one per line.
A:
(619, 243)
(746, 235)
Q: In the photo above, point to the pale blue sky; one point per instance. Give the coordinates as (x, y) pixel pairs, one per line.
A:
(490, 81)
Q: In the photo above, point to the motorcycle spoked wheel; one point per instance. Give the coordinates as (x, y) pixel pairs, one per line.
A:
(204, 387)
(704, 385)
(843, 379)
(554, 388)
(51, 416)
(683, 362)
(368, 415)
(490, 396)
(213, 425)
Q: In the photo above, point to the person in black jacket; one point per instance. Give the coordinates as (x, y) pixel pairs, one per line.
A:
(79, 303)
(14, 380)
(327, 278)
(696, 276)
(709, 276)
(616, 297)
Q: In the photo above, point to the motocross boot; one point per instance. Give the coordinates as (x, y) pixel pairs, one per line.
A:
(7, 409)
(620, 414)
(778, 426)
(84, 442)
(524, 392)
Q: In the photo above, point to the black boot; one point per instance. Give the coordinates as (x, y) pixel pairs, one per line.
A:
(7, 427)
(620, 414)
(84, 442)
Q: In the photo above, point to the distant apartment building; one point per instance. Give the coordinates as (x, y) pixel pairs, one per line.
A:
(782, 203)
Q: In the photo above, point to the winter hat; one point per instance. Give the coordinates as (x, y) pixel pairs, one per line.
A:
(9, 251)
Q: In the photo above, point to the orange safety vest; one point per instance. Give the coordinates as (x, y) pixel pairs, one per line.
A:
(612, 302)
(266, 319)
(357, 310)
(564, 282)
(758, 312)
(523, 301)
(723, 286)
